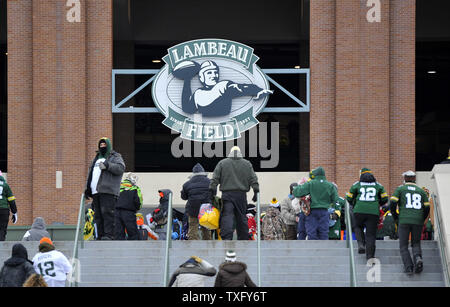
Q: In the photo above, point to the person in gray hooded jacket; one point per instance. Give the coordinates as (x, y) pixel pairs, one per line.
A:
(37, 232)
(103, 186)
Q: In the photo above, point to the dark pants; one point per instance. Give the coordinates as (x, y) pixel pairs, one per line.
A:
(4, 219)
(103, 205)
(193, 233)
(369, 221)
(403, 235)
(234, 208)
(316, 224)
(125, 220)
(291, 232)
(301, 230)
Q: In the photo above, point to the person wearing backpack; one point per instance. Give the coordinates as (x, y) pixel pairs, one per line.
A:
(192, 273)
(158, 218)
(273, 227)
(196, 192)
(129, 202)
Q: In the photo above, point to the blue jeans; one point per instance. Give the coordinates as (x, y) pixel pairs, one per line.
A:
(301, 230)
(316, 224)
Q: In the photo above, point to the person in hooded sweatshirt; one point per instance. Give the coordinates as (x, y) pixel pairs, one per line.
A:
(51, 264)
(289, 214)
(196, 192)
(365, 198)
(323, 194)
(158, 219)
(236, 176)
(192, 273)
(37, 231)
(233, 273)
(103, 186)
(7, 204)
(16, 269)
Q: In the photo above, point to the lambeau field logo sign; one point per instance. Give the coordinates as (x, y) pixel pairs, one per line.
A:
(210, 90)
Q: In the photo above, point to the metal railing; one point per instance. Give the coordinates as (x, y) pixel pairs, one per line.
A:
(440, 239)
(73, 281)
(349, 239)
(168, 242)
(258, 238)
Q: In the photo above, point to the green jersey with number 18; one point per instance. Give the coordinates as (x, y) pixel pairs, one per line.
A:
(367, 197)
(412, 201)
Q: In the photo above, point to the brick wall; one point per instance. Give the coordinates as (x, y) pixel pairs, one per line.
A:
(59, 102)
(59, 83)
(362, 90)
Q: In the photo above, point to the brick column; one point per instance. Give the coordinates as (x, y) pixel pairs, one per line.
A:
(323, 91)
(348, 92)
(98, 73)
(402, 89)
(362, 92)
(58, 110)
(20, 106)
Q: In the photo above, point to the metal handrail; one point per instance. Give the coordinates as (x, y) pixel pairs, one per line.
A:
(168, 242)
(78, 231)
(258, 238)
(441, 240)
(349, 240)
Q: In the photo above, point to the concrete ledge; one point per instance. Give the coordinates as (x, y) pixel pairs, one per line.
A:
(57, 232)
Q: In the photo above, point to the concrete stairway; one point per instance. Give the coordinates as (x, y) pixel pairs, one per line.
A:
(283, 263)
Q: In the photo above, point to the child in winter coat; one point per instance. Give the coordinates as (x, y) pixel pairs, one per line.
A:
(251, 213)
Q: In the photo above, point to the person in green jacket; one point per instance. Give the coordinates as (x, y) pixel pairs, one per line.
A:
(335, 211)
(323, 195)
(413, 209)
(366, 196)
(235, 177)
(7, 204)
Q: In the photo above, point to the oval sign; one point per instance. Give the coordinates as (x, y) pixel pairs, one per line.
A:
(210, 90)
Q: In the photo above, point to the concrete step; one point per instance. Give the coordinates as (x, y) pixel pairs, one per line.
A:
(283, 263)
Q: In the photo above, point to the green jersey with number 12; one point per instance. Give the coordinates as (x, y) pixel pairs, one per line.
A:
(411, 201)
(367, 197)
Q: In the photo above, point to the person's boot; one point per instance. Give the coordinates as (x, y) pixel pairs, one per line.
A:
(361, 248)
(409, 270)
(418, 265)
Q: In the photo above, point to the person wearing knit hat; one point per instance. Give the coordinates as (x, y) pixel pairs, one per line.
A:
(274, 203)
(365, 198)
(413, 210)
(233, 273)
(51, 264)
(196, 192)
(230, 256)
(235, 177)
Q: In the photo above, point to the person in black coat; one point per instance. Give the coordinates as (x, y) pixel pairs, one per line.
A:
(196, 192)
(16, 269)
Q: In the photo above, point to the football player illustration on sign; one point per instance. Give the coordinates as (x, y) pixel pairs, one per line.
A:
(215, 97)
